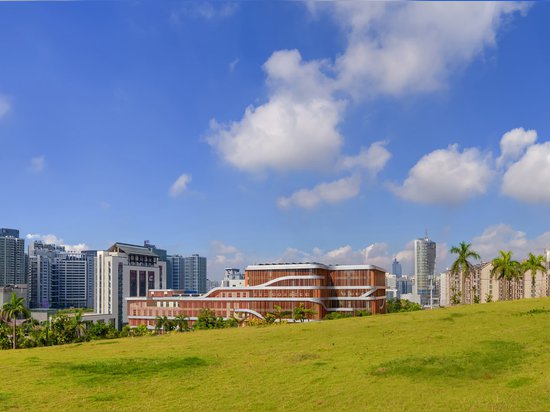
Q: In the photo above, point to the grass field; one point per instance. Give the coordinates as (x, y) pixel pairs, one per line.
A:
(492, 357)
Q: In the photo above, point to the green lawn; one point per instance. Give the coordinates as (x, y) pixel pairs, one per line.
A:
(492, 357)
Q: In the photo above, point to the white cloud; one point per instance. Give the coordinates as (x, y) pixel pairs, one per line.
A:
(295, 129)
(233, 64)
(222, 248)
(104, 205)
(222, 256)
(5, 105)
(447, 176)
(179, 186)
(38, 163)
(203, 10)
(527, 179)
(504, 237)
(373, 159)
(400, 47)
(514, 143)
(375, 254)
(392, 48)
(53, 239)
(333, 192)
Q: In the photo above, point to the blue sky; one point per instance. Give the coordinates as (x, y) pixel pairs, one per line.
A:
(261, 131)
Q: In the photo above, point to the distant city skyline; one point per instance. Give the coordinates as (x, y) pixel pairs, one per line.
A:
(208, 129)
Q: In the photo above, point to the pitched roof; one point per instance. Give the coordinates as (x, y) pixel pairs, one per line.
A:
(131, 249)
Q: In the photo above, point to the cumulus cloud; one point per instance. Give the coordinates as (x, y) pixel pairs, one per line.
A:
(527, 179)
(447, 176)
(54, 240)
(504, 237)
(332, 192)
(38, 163)
(5, 105)
(295, 129)
(374, 254)
(392, 48)
(400, 47)
(179, 186)
(222, 256)
(372, 159)
(514, 143)
(378, 254)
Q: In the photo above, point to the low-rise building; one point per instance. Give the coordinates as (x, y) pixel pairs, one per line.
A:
(6, 292)
(322, 288)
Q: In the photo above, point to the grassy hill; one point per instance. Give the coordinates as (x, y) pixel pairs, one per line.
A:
(484, 357)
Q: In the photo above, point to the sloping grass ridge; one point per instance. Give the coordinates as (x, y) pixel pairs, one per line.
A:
(491, 357)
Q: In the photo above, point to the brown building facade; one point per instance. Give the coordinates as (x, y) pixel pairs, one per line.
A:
(323, 288)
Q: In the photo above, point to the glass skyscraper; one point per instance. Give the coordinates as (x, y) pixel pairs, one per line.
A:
(424, 268)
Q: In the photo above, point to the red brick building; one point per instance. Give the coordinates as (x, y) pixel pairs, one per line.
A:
(323, 288)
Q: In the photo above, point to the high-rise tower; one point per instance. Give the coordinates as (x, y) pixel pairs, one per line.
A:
(12, 258)
(424, 267)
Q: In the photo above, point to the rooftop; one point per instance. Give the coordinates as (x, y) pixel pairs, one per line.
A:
(131, 249)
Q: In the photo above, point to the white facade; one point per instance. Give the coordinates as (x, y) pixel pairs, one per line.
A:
(57, 278)
(125, 271)
(443, 294)
(233, 278)
(391, 286)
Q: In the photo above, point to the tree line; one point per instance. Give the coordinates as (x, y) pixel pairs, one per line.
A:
(64, 327)
(504, 268)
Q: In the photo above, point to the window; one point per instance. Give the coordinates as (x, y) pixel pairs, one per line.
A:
(151, 280)
(133, 283)
(142, 284)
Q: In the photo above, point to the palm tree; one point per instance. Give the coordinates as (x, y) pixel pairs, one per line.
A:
(534, 263)
(279, 313)
(309, 313)
(159, 323)
(79, 326)
(298, 314)
(462, 265)
(181, 322)
(12, 310)
(504, 268)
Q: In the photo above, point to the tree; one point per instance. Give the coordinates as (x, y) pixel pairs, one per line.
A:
(402, 305)
(79, 327)
(98, 330)
(299, 313)
(141, 330)
(279, 313)
(462, 265)
(270, 318)
(12, 310)
(506, 269)
(160, 323)
(309, 313)
(181, 323)
(533, 264)
(206, 320)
